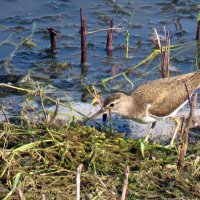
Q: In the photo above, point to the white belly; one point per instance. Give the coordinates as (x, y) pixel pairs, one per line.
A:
(153, 118)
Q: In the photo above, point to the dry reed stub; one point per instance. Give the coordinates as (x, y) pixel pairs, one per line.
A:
(53, 34)
(83, 39)
(109, 38)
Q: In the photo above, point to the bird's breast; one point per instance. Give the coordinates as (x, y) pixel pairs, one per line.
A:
(148, 119)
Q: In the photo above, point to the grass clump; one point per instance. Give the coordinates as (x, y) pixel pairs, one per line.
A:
(46, 160)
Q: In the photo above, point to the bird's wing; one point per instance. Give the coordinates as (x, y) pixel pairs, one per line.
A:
(165, 95)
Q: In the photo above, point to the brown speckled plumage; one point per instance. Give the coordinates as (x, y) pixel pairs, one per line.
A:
(158, 98)
(167, 94)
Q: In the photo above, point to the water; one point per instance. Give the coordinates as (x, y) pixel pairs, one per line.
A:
(62, 72)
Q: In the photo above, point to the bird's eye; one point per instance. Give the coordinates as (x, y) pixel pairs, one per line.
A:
(112, 105)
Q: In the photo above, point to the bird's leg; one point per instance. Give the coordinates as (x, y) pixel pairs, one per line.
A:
(178, 123)
(149, 133)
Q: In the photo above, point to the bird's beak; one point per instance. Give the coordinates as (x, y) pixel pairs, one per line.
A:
(100, 112)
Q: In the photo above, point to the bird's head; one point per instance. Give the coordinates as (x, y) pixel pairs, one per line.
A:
(117, 103)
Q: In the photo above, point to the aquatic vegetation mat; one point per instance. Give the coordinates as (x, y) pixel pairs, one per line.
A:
(41, 162)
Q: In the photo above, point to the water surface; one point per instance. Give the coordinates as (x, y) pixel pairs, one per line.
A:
(62, 71)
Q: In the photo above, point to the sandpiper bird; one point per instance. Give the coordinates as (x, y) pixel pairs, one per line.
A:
(153, 101)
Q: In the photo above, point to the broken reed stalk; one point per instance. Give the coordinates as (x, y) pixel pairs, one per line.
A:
(164, 55)
(158, 41)
(100, 101)
(98, 98)
(198, 38)
(125, 185)
(83, 39)
(109, 38)
(184, 134)
(78, 182)
(53, 34)
(198, 56)
(198, 31)
(198, 24)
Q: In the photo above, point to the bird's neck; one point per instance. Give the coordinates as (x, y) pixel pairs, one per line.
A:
(127, 107)
(135, 109)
